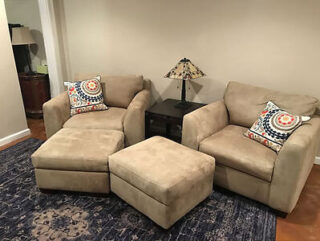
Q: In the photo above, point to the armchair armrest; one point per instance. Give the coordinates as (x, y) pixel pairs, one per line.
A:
(203, 122)
(134, 122)
(293, 165)
(55, 113)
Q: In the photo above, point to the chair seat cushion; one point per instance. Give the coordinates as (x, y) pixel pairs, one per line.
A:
(231, 148)
(111, 119)
(162, 169)
(78, 150)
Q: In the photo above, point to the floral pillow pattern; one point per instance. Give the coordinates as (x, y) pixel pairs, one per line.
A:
(274, 126)
(86, 96)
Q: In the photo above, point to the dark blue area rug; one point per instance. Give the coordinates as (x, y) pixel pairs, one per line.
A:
(28, 214)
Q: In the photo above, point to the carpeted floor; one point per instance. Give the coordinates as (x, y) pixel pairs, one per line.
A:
(28, 214)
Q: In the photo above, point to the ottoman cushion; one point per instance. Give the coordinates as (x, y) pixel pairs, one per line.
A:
(78, 150)
(163, 171)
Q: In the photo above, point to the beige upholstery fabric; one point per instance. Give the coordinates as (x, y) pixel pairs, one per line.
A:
(245, 103)
(78, 150)
(118, 90)
(231, 148)
(82, 76)
(243, 165)
(147, 84)
(110, 119)
(55, 113)
(76, 160)
(293, 165)
(134, 123)
(145, 166)
(94, 182)
(123, 89)
(161, 178)
(242, 183)
(202, 123)
(163, 215)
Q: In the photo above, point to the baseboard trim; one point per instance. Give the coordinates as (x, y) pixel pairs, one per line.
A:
(317, 160)
(14, 136)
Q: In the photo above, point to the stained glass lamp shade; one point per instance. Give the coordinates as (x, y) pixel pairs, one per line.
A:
(184, 70)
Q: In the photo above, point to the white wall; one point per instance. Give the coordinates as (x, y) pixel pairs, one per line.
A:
(26, 12)
(273, 43)
(12, 116)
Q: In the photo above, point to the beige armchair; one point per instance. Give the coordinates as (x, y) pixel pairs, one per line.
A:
(127, 98)
(244, 165)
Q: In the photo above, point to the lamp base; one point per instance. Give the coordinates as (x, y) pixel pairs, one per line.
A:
(182, 105)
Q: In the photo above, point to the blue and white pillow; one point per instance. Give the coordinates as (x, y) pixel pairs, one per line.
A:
(274, 126)
(86, 96)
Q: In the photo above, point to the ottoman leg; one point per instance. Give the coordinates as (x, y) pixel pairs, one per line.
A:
(47, 191)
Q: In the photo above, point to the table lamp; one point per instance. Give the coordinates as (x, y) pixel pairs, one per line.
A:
(184, 70)
(22, 36)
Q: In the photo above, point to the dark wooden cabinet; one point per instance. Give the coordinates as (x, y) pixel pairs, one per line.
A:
(35, 91)
(165, 119)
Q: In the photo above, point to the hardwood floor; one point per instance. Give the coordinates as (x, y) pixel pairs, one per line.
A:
(303, 224)
(37, 131)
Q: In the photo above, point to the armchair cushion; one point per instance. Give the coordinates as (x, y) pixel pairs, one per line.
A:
(111, 119)
(232, 149)
(78, 150)
(118, 90)
(239, 97)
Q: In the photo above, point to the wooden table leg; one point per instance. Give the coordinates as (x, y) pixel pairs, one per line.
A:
(147, 126)
(168, 130)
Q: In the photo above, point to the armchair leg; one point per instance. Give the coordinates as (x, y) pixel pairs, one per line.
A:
(280, 214)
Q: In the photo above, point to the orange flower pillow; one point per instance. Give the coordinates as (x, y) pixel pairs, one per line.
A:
(86, 96)
(274, 126)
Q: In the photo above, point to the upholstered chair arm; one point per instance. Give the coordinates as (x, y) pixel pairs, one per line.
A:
(293, 165)
(203, 122)
(55, 113)
(134, 119)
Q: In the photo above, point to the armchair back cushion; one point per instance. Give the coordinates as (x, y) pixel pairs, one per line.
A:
(118, 90)
(245, 102)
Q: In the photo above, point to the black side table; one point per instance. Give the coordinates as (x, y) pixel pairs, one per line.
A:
(165, 119)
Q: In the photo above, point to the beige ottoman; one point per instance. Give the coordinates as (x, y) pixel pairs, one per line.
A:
(161, 178)
(76, 160)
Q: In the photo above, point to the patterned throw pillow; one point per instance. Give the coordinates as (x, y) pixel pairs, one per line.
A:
(86, 96)
(274, 126)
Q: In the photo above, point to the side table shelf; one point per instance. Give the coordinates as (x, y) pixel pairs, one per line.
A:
(165, 119)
